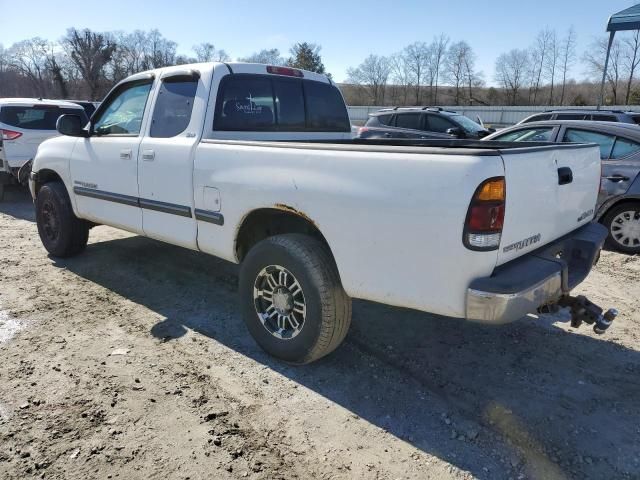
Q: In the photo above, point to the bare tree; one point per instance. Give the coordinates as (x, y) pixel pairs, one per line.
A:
(401, 74)
(417, 57)
(455, 68)
(29, 57)
(90, 52)
(207, 52)
(631, 59)
(372, 75)
(551, 63)
(268, 57)
(567, 58)
(511, 68)
(538, 57)
(594, 59)
(438, 50)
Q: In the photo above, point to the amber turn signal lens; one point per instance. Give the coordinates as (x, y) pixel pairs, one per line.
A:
(492, 191)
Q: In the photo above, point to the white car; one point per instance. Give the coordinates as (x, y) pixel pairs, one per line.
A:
(24, 124)
(254, 164)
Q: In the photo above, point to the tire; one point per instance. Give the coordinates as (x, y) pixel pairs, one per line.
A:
(623, 223)
(62, 233)
(323, 319)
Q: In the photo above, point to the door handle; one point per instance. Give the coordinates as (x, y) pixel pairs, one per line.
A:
(565, 176)
(148, 155)
(617, 178)
(125, 154)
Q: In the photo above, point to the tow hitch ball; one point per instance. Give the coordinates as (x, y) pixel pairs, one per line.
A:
(583, 310)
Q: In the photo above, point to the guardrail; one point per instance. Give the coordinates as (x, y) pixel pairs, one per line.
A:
(491, 115)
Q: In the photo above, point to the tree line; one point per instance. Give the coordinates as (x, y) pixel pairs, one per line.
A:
(537, 75)
(85, 64)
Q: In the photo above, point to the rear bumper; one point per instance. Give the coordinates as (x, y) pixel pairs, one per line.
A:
(536, 279)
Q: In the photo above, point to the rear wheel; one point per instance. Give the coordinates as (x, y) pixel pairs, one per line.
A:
(62, 233)
(292, 300)
(623, 223)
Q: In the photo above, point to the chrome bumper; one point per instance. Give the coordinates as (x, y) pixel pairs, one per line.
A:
(537, 279)
(499, 308)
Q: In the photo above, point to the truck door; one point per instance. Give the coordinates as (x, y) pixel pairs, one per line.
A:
(166, 158)
(104, 167)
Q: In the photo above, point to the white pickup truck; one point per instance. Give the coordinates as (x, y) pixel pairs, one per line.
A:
(254, 164)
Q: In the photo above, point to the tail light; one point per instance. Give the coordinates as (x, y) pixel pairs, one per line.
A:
(485, 217)
(10, 135)
(362, 130)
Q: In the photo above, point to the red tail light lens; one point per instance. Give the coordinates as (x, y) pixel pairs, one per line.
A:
(361, 130)
(290, 72)
(485, 217)
(10, 134)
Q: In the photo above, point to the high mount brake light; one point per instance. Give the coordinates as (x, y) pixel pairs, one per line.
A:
(485, 217)
(10, 135)
(289, 72)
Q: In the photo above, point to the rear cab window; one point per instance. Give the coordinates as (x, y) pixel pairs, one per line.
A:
(250, 102)
(37, 117)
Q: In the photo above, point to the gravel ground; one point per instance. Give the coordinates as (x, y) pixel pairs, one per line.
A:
(131, 361)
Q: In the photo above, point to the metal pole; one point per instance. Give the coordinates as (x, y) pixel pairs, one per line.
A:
(604, 71)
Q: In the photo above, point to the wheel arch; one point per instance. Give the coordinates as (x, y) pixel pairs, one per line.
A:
(46, 175)
(613, 203)
(267, 222)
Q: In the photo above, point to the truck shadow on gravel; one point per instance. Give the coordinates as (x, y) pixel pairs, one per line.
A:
(525, 398)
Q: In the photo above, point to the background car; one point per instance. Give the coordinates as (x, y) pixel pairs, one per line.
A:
(421, 122)
(618, 205)
(593, 115)
(89, 107)
(24, 124)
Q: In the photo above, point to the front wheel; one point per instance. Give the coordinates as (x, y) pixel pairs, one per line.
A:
(623, 223)
(292, 300)
(62, 233)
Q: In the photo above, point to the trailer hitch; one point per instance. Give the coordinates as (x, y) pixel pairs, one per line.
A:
(583, 310)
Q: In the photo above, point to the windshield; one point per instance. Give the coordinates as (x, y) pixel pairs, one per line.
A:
(468, 124)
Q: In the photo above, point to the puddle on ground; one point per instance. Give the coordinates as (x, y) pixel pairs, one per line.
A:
(8, 327)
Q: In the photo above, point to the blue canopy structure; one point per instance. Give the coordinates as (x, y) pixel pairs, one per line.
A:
(627, 19)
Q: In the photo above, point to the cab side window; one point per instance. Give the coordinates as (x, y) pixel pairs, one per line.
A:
(123, 113)
(172, 111)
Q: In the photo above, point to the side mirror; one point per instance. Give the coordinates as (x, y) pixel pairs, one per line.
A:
(71, 125)
(455, 132)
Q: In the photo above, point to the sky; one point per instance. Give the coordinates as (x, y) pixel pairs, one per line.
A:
(348, 31)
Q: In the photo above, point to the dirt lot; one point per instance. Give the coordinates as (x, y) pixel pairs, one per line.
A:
(131, 361)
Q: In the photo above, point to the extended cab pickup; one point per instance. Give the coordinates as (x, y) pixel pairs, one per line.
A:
(254, 164)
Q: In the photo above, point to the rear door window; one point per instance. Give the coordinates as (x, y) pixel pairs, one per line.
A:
(172, 111)
(624, 147)
(272, 103)
(586, 136)
(384, 119)
(37, 117)
(409, 120)
(539, 134)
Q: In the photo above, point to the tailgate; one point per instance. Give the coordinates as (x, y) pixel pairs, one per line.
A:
(542, 203)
